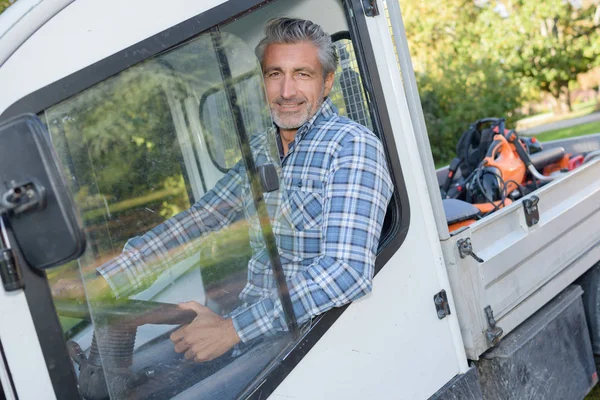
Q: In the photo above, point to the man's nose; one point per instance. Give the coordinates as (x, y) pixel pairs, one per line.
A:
(288, 87)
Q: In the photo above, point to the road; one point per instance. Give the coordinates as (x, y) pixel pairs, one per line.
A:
(566, 123)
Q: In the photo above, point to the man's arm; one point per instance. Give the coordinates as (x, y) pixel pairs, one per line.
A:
(356, 196)
(144, 257)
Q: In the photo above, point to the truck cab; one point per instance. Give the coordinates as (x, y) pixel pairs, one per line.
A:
(147, 106)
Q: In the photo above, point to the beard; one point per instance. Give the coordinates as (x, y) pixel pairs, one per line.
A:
(294, 119)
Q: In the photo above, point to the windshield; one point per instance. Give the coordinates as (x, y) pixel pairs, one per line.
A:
(154, 160)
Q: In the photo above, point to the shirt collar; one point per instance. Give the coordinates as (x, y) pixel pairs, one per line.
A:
(326, 110)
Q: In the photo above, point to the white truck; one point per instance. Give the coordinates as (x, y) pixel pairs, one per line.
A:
(136, 99)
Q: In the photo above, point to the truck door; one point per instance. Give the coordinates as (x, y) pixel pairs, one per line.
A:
(147, 139)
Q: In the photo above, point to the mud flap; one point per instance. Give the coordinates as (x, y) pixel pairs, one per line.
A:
(548, 357)
(461, 387)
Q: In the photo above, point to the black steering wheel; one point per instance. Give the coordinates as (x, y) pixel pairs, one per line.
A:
(126, 313)
(115, 326)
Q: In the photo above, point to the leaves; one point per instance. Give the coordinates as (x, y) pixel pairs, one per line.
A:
(476, 59)
(4, 4)
(461, 78)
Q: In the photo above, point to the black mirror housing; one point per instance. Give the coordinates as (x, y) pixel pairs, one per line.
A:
(34, 197)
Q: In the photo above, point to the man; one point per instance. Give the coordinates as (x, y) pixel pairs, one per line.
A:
(337, 185)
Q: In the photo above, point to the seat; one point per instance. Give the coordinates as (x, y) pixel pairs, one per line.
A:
(459, 211)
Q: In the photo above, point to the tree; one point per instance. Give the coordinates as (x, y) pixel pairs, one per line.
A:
(461, 78)
(483, 58)
(549, 42)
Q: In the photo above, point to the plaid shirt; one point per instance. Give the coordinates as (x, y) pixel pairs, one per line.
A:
(326, 219)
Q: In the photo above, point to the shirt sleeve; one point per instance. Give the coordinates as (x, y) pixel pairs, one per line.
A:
(144, 257)
(357, 193)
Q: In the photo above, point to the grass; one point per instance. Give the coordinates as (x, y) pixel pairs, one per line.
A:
(574, 131)
(579, 110)
(594, 394)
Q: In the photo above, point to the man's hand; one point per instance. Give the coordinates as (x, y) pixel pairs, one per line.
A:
(207, 337)
(68, 289)
(72, 289)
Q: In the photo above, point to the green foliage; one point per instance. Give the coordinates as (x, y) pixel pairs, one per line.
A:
(477, 59)
(549, 43)
(4, 4)
(461, 78)
(127, 135)
(118, 142)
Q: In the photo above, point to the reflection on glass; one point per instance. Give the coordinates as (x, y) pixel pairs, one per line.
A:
(217, 124)
(139, 149)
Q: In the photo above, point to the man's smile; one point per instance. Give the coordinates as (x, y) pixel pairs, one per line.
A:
(290, 107)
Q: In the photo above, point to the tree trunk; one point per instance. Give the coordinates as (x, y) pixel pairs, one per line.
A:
(568, 98)
(563, 100)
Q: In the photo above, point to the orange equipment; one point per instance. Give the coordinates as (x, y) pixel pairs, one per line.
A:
(503, 156)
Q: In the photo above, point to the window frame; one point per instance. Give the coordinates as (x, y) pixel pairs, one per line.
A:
(37, 290)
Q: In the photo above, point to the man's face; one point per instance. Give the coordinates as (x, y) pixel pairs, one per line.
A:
(295, 83)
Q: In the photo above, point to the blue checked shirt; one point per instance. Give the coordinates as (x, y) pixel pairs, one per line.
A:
(326, 219)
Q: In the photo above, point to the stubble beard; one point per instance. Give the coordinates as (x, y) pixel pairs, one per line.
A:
(289, 120)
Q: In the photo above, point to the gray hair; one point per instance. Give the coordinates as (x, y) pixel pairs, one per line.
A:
(293, 30)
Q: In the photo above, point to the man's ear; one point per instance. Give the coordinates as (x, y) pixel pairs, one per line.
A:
(328, 84)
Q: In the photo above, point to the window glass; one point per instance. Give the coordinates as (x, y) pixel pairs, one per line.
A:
(140, 151)
(219, 131)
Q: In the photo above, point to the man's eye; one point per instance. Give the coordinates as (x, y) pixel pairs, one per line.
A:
(303, 75)
(273, 74)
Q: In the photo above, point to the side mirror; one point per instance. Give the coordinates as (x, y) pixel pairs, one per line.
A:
(35, 201)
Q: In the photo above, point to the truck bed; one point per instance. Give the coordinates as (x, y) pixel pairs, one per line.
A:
(524, 266)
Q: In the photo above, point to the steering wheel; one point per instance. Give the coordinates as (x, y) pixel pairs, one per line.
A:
(126, 313)
(116, 323)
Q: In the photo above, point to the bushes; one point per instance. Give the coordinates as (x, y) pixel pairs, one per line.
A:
(477, 59)
(460, 93)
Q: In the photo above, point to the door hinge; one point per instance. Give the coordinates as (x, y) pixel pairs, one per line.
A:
(442, 307)
(465, 249)
(532, 212)
(370, 7)
(494, 332)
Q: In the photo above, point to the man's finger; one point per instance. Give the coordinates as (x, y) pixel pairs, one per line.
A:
(201, 359)
(177, 335)
(181, 346)
(190, 354)
(194, 306)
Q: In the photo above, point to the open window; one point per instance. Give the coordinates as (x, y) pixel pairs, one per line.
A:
(351, 98)
(348, 92)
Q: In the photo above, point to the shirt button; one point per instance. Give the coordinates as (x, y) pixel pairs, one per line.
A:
(251, 281)
(299, 183)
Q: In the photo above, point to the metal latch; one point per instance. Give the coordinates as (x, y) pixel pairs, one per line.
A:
(441, 304)
(370, 7)
(21, 197)
(465, 249)
(532, 212)
(493, 333)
